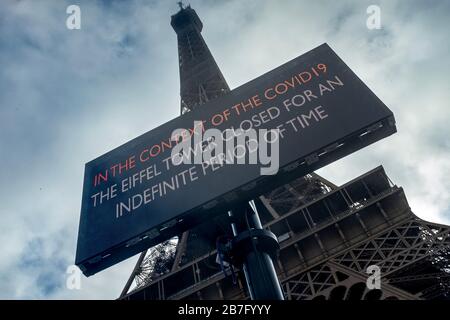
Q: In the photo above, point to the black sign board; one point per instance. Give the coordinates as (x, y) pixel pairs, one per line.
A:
(133, 197)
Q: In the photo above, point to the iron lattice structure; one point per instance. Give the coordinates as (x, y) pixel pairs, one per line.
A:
(200, 78)
(328, 235)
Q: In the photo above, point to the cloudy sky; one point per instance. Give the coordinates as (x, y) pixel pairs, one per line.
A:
(68, 96)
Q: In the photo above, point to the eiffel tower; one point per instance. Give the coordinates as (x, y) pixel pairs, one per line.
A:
(329, 235)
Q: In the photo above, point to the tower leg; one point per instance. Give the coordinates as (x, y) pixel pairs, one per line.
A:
(253, 250)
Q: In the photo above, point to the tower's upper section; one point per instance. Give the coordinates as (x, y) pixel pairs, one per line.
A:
(186, 18)
(200, 78)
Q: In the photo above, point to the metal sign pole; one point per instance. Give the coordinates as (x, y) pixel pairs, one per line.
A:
(253, 250)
